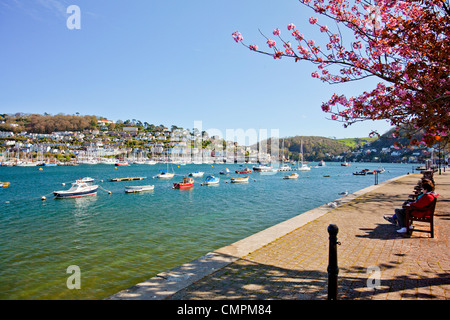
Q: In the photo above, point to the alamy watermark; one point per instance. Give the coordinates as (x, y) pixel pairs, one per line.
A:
(74, 280)
(74, 20)
(374, 279)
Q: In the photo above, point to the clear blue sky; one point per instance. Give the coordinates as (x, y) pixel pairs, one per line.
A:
(165, 62)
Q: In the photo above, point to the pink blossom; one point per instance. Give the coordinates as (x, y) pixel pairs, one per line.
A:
(271, 43)
(291, 26)
(334, 117)
(237, 36)
(253, 47)
(315, 74)
(326, 108)
(312, 20)
(323, 29)
(276, 32)
(278, 54)
(357, 45)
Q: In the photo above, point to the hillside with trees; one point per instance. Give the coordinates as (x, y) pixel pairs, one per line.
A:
(37, 123)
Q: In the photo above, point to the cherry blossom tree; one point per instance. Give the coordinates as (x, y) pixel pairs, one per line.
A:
(405, 44)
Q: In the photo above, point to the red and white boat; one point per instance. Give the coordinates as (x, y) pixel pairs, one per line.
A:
(122, 164)
(245, 170)
(185, 184)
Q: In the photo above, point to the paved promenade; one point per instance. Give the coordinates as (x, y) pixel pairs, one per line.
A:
(289, 260)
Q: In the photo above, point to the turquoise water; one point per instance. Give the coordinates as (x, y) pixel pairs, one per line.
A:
(120, 239)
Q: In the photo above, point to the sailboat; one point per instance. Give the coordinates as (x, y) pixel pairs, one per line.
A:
(165, 174)
(303, 166)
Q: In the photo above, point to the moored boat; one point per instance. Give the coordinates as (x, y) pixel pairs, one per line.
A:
(211, 180)
(262, 168)
(196, 174)
(245, 170)
(87, 179)
(122, 164)
(165, 175)
(185, 184)
(304, 167)
(134, 189)
(240, 180)
(226, 171)
(293, 175)
(78, 189)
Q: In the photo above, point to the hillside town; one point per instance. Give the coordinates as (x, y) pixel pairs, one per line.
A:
(108, 142)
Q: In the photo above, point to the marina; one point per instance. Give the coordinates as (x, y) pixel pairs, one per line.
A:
(119, 240)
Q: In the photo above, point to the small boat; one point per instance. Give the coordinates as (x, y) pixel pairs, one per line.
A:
(345, 164)
(291, 176)
(304, 167)
(211, 180)
(49, 164)
(360, 173)
(78, 189)
(27, 164)
(196, 174)
(285, 167)
(133, 189)
(239, 180)
(381, 170)
(344, 193)
(185, 184)
(245, 170)
(165, 175)
(122, 164)
(226, 171)
(87, 179)
(4, 184)
(321, 163)
(262, 168)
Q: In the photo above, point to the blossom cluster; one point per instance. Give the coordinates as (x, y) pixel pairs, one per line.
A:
(404, 44)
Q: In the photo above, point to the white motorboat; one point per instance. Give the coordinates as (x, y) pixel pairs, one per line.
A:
(78, 189)
(196, 174)
(263, 168)
(293, 175)
(134, 189)
(87, 179)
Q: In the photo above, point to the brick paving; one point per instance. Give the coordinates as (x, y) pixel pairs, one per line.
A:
(295, 265)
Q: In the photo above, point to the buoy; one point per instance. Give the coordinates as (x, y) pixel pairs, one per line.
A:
(109, 192)
(43, 198)
(63, 184)
(115, 167)
(201, 184)
(40, 169)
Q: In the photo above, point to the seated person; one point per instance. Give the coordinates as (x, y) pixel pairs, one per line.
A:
(425, 199)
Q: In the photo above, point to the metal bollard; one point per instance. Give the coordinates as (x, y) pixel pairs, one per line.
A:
(333, 269)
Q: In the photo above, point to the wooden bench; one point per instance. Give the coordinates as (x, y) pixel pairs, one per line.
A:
(427, 219)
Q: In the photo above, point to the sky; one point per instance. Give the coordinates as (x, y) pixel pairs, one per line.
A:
(167, 62)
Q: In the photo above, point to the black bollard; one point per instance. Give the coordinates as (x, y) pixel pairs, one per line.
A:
(333, 269)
